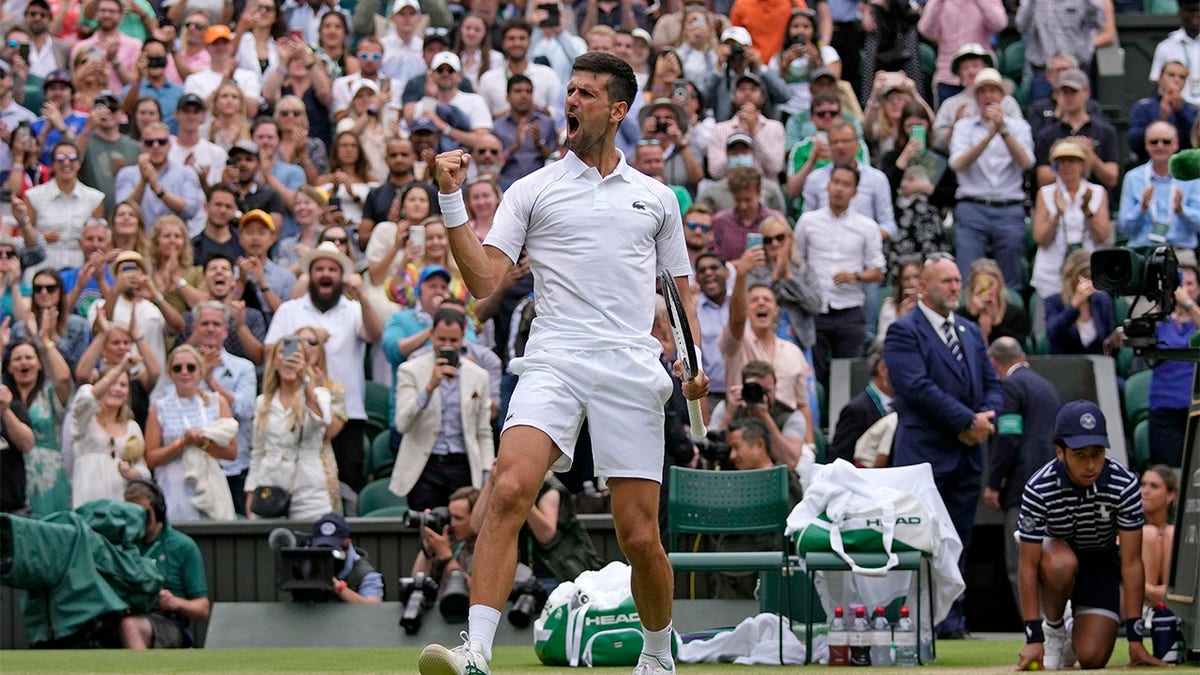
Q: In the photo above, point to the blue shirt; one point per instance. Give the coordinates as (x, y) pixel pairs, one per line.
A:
(167, 96)
(1146, 111)
(180, 181)
(1171, 381)
(73, 121)
(399, 326)
(292, 177)
(1182, 228)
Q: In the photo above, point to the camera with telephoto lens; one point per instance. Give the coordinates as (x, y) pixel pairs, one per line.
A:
(436, 519)
(753, 393)
(713, 447)
(1152, 273)
(456, 597)
(418, 594)
(305, 571)
(528, 598)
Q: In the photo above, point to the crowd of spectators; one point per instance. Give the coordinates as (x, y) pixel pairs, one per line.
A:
(219, 224)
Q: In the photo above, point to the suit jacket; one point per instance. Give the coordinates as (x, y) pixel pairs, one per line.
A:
(1024, 439)
(856, 417)
(420, 426)
(936, 397)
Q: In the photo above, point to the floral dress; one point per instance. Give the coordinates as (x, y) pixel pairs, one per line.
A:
(46, 480)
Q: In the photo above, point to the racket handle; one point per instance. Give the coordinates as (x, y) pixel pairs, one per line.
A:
(696, 419)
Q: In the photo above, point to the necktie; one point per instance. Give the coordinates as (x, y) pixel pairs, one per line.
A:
(952, 340)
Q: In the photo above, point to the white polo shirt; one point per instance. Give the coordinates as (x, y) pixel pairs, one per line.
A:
(547, 88)
(596, 246)
(850, 242)
(343, 351)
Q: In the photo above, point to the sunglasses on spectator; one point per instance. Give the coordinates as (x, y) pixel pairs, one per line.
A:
(364, 56)
(487, 151)
(196, 25)
(777, 239)
(704, 228)
(291, 113)
(312, 342)
(7, 253)
(445, 70)
(1159, 141)
(338, 240)
(151, 142)
(180, 367)
(66, 158)
(824, 114)
(45, 288)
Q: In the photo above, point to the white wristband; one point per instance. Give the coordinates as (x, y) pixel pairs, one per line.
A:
(454, 209)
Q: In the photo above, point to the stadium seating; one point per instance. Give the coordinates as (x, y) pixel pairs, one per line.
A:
(380, 458)
(1137, 398)
(375, 398)
(375, 497)
(1140, 458)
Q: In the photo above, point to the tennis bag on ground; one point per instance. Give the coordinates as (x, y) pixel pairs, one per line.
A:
(591, 622)
(846, 514)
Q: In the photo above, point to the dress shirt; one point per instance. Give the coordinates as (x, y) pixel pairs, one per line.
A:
(344, 350)
(66, 214)
(873, 198)
(43, 61)
(1052, 26)
(831, 243)
(176, 180)
(950, 24)
(994, 175)
(936, 320)
(547, 88)
(560, 50)
(402, 59)
(1182, 229)
(449, 440)
(713, 318)
(768, 146)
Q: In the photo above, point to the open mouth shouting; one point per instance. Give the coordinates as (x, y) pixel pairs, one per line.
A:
(573, 126)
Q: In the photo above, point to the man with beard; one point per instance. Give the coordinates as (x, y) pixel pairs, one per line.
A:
(155, 184)
(946, 393)
(251, 192)
(250, 326)
(590, 328)
(230, 377)
(383, 203)
(272, 282)
(712, 306)
(46, 52)
(527, 133)
(494, 84)
(351, 326)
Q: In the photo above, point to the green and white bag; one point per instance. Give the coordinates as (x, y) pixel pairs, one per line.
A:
(591, 622)
(851, 515)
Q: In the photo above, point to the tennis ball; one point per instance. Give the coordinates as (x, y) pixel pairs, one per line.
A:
(1034, 666)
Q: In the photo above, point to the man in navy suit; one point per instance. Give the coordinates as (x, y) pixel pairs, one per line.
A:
(863, 410)
(946, 394)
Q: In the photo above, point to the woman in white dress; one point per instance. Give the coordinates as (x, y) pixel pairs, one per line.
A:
(289, 429)
(106, 442)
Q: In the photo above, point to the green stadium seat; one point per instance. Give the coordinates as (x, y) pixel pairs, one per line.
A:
(1162, 7)
(928, 62)
(1140, 457)
(730, 502)
(376, 496)
(380, 458)
(389, 511)
(375, 399)
(1124, 361)
(1121, 309)
(1012, 61)
(1137, 398)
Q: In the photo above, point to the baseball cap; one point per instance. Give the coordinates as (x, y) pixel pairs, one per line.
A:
(446, 59)
(1080, 423)
(217, 31)
(401, 4)
(748, 77)
(60, 76)
(739, 137)
(363, 83)
(258, 216)
(990, 77)
(822, 72)
(247, 146)
(422, 123)
(972, 49)
(737, 34)
(39, 3)
(190, 99)
(106, 97)
(330, 531)
(433, 270)
(1072, 78)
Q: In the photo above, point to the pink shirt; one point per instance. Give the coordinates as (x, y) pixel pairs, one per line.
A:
(128, 51)
(791, 368)
(953, 23)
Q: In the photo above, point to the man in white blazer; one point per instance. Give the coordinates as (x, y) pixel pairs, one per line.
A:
(443, 411)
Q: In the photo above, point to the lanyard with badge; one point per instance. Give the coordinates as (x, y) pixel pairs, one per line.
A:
(1160, 216)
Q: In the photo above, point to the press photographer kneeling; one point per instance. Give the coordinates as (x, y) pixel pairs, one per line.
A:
(442, 569)
(788, 430)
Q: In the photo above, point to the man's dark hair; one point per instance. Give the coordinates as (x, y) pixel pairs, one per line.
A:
(221, 187)
(518, 79)
(752, 430)
(155, 41)
(469, 493)
(516, 23)
(265, 119)
(710, 254)
(622, 83)
(456, 303)
(825, 99)
(744, 178)
(846, 167)
(755, 369)
(218, 255)
(451, 316)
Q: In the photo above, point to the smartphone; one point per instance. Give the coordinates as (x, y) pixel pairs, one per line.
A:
(290, 344)
(23, 50)
(156, 62)
(450, 354)
(554, 19)
(753, 239)
(821, 137)
(917, 133)
(416, 235)
(679, 91)
(95, 54)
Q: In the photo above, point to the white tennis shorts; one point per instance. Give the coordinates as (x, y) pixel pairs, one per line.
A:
(620, 391)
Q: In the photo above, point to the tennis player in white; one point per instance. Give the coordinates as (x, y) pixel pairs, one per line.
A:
(597, 233)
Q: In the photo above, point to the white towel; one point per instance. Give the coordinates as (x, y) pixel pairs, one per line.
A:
(202, 471)
(754, 641)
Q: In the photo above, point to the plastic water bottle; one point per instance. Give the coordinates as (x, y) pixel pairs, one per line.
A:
(906, 640)
(881, 639)
(839, 639)
(860, 638)
(1164, 628)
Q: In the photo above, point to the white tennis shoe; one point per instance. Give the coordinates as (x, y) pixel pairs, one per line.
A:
(649, 665)
(1058, 653)
(464, 659)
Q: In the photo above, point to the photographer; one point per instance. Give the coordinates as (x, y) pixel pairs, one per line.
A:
(787, 428)
(454, 546)
(749, 449)
(357, 581)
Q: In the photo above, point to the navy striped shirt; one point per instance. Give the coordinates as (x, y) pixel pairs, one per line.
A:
(1086, 518)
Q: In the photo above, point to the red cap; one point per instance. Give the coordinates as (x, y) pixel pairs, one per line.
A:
(860, 611)
(904, 611)
(879, 610)
(837, 611)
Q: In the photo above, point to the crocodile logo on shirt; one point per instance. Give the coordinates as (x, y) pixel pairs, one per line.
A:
(639, 206)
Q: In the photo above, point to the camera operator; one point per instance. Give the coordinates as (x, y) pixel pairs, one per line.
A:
(453, 547)
(749, 449)
(787, 428)
(184, 595)
(357, 581)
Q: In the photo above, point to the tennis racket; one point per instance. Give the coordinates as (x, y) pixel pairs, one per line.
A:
(685, 348)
